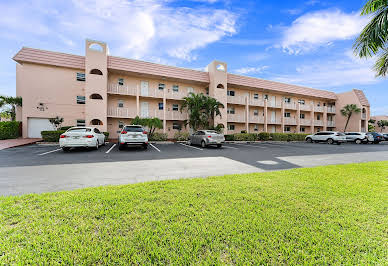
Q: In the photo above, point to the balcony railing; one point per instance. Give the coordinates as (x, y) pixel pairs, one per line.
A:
(331, 123)
(304, 107)
(289, 121)
(237, 99)
(290, 106)
(256, 119)
(331, 109)
(121, 112)
(256, 102)
(155, 93)
(176, 115)
(318, 109)
(318, 123)
(272, 120)
(238, 118)
(305, 122)
(274, 104)
(121, 89)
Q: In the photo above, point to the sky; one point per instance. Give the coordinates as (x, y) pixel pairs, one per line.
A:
(306, 43)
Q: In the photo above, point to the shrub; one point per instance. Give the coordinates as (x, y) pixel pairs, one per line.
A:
(181, 136)
(9, 129)
(245, 137)
(158, 137)
(279, 136)
(106, 135)
(264, 136)
(52, 136)
(288, 136)
(229, 137)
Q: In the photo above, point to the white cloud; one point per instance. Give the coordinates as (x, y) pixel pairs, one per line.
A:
(320, 28)
(250, 70)
(346, 70)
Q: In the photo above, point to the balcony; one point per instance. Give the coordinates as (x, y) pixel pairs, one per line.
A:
(318, 123)
(331, 109)
(256, 102)
(291, 106)
(176, 95)
(256, 119)
(121, 112)
(272, 121)
(274, 104)
(289, 121)
(318, 109)
(305, 122)
(304, 107)
(331, 123)
(237, 118)
(237, 99)
(176, 115)
(121, 89)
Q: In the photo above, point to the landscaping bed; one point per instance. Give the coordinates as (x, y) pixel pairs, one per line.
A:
(323, 215)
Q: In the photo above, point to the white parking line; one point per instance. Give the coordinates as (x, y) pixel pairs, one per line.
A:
(111, 148)
(191, 147)
(49, 152)
(154, 147)
(230, 147)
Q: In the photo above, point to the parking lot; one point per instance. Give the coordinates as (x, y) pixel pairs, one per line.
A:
(43, 168)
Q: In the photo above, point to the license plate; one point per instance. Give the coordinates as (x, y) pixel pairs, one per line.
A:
(75, 137)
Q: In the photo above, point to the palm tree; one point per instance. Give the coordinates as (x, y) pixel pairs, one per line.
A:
(373, 39)
(13, 102)
(382, 124)
(348, 111)
(212, 108)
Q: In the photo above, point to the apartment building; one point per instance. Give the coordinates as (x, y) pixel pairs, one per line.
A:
(108, 91)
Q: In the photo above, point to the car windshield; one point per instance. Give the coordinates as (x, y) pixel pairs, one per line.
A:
(133, 129)
(79, 130)
(211, 132)
(340, 134)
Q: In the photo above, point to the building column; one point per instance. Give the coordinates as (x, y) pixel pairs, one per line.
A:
(324, 118)
(298, 118)
(247, 114)
(164, 111)
(282, 116)
(265, 115)
(137, 101)
(312, 119)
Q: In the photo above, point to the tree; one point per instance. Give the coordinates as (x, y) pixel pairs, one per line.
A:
(56, 122)
(348, 111)
(382, 124)
(151, 123)
(373, 39)
(12, 102)
(202, 110)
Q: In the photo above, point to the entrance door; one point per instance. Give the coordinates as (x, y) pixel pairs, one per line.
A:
(273, 101)
(273, 129)
(273, 116)
(144, 109)
(144, 88)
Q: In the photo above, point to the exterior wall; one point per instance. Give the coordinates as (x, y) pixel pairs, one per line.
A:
(55, 88)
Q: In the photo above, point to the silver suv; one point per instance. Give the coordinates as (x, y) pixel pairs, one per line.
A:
(206, 138)
(133, 135)
(330, 137)
(358, 137)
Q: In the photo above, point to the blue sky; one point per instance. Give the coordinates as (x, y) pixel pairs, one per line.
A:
(300, 42)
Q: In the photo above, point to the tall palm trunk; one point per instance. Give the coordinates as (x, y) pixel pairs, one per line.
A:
(347, 122)
(13, 113)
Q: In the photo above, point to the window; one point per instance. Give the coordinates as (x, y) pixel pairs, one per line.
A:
(96, 122)
(318, 117)
(302, 129)
(287, 129)
(220, 86)
(175, 107)
(121, 81)
(230, 110)
(96, 72)
(256, 96)
(190, 90)
(80, 76)
(81, 123)
(133, 129)
(120, 103)
(207, 91)
(301, 101)
(318, 129)
(121, 124)
(287, 114)
(220, 67)
(301, 116)
(287, 100)
(256, 128)
(97, 131)
(318, 104)
(161, 86)
(176, 126)
(95, 96)
(80, 99)
(231, 127)
(160, 106)
(265, 96)
(175, 88)
(230, 93)
(256, 112)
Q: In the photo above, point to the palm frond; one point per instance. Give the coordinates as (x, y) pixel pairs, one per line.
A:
(381, 65)
(372, 6)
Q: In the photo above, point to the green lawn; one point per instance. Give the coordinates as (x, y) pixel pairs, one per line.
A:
(324, 215)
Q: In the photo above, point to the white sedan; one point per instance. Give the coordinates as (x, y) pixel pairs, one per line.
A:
(89, 137)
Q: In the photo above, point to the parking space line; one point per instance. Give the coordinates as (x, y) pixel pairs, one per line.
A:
(191, 146)
(154, 147)
(49, 152)
(111, 148)
(230, 147)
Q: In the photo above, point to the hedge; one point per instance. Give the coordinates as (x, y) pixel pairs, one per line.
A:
(264, 136)
(181, 136)
(158, 137)
(52, 136)
(245, 137)
(106, 135)
(9, 129)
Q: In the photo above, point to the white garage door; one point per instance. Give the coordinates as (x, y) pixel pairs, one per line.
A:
(36, 125)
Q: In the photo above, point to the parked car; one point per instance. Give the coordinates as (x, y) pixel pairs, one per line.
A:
(89, 137)
(358, 137)
(330, 137)
(133, 135)
(385, 136)
(206, 138)
(377, 137)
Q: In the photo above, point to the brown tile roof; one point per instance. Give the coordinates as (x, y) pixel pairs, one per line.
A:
(123, 64)
(361, 96)
(238, 80)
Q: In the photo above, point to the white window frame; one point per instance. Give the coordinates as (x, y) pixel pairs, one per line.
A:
(175, 106)
(175, 88)
(161, 86)
(287, 114)
(230, 127)
(80, 123)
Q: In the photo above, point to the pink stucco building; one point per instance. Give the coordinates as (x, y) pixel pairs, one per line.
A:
(109, 91)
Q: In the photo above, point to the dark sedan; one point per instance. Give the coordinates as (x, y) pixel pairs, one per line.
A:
(377, 137)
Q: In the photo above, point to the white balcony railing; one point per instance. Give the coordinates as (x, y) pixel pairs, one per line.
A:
(176, 115)
(237, 99)
(121, 89)
(272, 120)
(256, 102)
(238, 118)
(318, 109)
(305, 122)
(256, 119)
(331, 123)
(274, 104)
(290, 106)
(289, 121)
(121, 112)
(318, 123)
(304, 107)
(331, 109)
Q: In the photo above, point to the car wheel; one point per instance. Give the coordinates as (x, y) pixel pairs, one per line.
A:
(309, 140)
(145, 146)
(65, 149)
(358, 141)
(219, 145)
(121, 147)
(330, 141)
(203, 144)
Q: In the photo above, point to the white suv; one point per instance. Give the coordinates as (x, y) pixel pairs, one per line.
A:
(133, 135)
(358, 137)
(330, 137)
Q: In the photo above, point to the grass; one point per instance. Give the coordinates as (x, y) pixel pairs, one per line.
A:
(323, 215)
